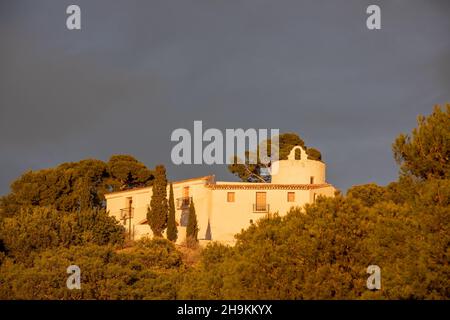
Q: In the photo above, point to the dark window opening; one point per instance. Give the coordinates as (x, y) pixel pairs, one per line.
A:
(298, 154)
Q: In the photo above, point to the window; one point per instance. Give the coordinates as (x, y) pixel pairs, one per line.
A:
(260, 201)
(291, 196)
(185, 201)
(311, 180)
(298, 154)
(230, 197)
(186, 192)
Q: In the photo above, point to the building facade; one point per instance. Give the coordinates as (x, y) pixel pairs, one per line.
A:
(223, 209)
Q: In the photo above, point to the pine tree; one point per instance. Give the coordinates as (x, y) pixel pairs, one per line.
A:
(425, 152)
(157, 212)
(192, 227)
(171, 225)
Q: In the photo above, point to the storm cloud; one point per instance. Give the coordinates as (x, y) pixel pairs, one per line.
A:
(140, 69)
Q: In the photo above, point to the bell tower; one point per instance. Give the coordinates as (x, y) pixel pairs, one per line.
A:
(298, 169)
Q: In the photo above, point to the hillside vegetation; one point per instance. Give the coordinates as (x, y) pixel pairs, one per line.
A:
(321, 251)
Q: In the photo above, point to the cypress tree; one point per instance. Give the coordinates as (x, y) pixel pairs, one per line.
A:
(192, 227)
(171, 225)
(158, 209)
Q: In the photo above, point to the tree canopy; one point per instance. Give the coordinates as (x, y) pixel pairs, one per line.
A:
(38, 228)
(127, 172)
(150, 270)
(321, 251)
(75, 185)
(426, 152)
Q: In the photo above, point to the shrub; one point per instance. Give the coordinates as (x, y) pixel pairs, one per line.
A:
(37, 228)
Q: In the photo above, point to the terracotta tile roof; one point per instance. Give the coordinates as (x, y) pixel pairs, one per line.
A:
(266, 186)
(237, 186)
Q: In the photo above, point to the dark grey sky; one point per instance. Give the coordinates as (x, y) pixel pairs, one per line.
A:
(140, 69)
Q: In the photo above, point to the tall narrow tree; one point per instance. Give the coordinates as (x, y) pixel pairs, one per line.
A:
(172, 232)
(158, 209)
(192, 227)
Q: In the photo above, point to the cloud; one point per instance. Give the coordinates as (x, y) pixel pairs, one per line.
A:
(138, 70)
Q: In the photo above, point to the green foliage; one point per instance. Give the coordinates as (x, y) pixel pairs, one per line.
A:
(158, 210)
(150, 271)
(192, 227)
(36, 228)
(319, 252)
(172, 232)
(369, 193)
(288, 257)
(164, 252)
(75, 185)
(323, 253)
(247, 172)
(127, 172)
(70, 186)
(314, 154)
(426, 153)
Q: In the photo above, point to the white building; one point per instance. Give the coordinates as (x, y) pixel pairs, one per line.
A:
(225, 208)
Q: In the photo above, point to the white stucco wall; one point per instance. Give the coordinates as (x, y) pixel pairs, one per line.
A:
(141, 200)
(228, 218)
(298, 171)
